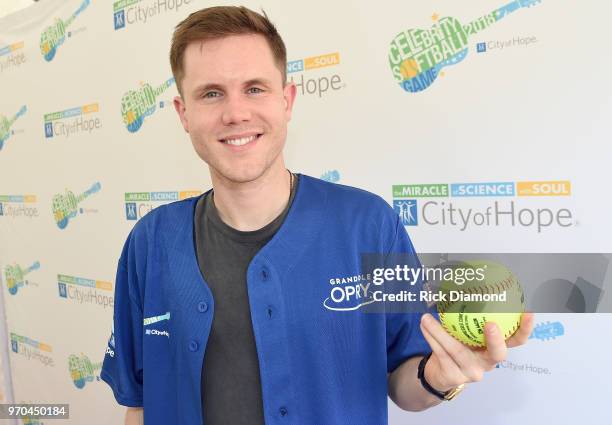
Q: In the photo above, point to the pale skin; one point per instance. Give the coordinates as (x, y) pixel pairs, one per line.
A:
(233, 89)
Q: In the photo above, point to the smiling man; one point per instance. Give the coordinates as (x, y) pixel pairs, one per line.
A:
(220, 300)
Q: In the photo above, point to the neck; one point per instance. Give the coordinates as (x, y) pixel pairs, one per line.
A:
(251, 205)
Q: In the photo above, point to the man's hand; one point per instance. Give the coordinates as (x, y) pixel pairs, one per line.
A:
(453, 363)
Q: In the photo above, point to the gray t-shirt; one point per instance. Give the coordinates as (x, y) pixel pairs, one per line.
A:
(231, 385)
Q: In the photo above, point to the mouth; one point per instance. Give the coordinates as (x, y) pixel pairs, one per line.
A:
(241, 139)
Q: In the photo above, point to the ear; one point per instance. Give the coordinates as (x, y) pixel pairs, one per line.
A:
(289, 93)
(179, 106)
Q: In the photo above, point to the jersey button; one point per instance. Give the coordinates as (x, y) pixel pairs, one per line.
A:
(283, 411)
(264, 274)
(202, 306)
(193, 345)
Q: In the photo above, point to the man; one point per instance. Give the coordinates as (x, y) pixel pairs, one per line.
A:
(219, 302)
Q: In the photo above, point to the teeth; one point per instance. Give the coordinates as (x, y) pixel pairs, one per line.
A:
(240, 142)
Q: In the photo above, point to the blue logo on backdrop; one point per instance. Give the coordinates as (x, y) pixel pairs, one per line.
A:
(48, 129)
(130, 211)
(119, 19)
(407, 210)
(482, 189)
(547, 330)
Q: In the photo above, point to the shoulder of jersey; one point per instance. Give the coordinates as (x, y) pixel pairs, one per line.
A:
(352, 199)
(169, 218)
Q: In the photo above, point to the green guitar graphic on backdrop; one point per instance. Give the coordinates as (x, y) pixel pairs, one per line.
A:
(82, 370)
(417, 56)
(15, 274)
(136, 105)
(5, 125)
(55, 35)
(65, 206)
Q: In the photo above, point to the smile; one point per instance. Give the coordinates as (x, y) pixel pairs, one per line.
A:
(241, 141)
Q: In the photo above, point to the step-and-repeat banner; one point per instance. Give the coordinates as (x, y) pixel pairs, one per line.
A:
(485, 124)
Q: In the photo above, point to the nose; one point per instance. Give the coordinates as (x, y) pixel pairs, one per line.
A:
(236, 110)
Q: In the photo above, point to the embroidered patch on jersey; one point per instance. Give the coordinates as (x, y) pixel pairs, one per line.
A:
(155, 319)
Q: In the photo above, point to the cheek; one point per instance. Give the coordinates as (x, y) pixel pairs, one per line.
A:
(201, 125)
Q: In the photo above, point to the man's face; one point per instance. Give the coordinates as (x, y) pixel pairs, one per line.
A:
(234, 106)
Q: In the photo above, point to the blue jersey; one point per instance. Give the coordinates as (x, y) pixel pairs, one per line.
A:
(322, 360)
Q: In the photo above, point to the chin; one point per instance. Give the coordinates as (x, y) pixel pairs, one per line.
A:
(244, 174)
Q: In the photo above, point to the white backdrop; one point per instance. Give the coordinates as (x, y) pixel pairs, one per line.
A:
(528, 104)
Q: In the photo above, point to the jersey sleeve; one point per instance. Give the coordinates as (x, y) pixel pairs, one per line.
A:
(123, 365)
(403, 332)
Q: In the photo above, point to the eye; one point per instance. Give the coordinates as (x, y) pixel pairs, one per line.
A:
(211, 94)
(255, 90)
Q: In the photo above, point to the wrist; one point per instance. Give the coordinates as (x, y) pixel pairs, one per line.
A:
(434, 378)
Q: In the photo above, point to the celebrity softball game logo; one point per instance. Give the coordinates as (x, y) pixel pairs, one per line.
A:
(138, 104)
(12, 56)
(32, 349)
(66, 206)
(129, 12)
(319, 85)
(55, 35)
(447, 205)
(82, 370)
(14, 276)
(18, 206)
(547, 331)
(332, 176)
(138, 204)
(417, 56)
(7, 123)
(81, 290)
(72, 121)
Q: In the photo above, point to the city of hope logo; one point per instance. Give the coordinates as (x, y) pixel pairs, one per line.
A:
(86, 291)
(55, 35)
(14, 276)
(14, 56)
(156, 319)
(128, 12)
(413, 210)
(137, 204)
(138, 104)
(417, 56)
(31, 349)
(18, 206)
(82, 370)
(72, 121)
(65, 206)
(315, 86)
(6, 124)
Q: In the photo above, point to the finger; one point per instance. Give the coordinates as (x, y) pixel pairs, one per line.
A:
(443, 356)
(496, 345)
(522, 334)
(449, 368)
(463, 356)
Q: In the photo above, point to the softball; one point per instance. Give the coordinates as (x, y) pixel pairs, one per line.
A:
(467, 306)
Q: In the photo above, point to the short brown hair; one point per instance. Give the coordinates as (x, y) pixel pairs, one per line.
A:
(223, 21)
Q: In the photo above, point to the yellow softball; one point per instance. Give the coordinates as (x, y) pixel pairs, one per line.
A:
(496, 296)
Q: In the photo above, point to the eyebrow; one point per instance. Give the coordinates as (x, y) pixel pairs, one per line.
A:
(214, 86)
